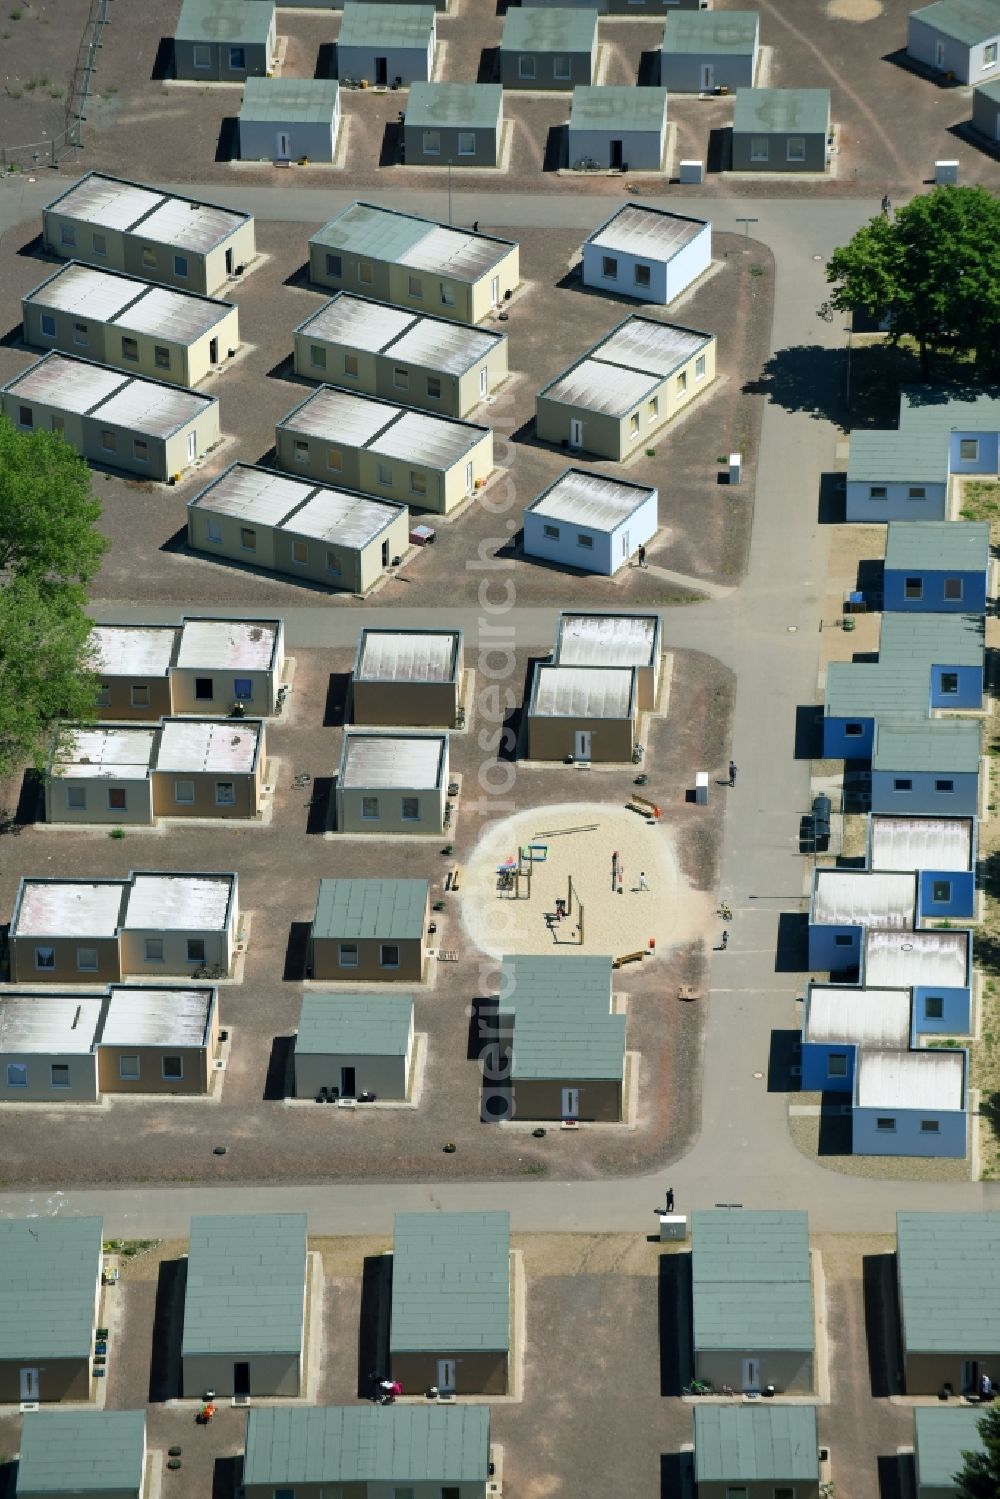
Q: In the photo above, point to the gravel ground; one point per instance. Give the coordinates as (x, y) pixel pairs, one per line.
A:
(807, 1129)
(39, 41)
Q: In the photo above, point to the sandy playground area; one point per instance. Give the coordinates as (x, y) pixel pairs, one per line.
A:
(577, 841)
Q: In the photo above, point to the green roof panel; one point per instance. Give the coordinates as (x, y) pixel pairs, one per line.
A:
(949, 1281)
(899, 682)
(400, 26)
(82, 1452)
(390, 910)
(224, 21)
(49, 1271)
(966, 21)
(555, 30)
(719, 33)
(752, 1281)
(450, 1283)
(446, 1445)
(617, 107)
(941, 744)
(761, 111)
(940, 546)
(563, 1025)
(462, 106)
(755, 1444)
(941, 1435)
(246, 1279)
(295, 101)
(916, 451)
(374, 1025)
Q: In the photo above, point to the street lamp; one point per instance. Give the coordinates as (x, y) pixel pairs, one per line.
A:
(746, 236)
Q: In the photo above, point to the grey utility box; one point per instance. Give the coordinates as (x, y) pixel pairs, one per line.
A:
(673, 1226)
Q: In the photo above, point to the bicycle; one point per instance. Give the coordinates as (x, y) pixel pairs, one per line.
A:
(697, 1387)
(725, 911)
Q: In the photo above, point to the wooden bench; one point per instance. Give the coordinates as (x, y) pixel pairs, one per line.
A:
(629, 957)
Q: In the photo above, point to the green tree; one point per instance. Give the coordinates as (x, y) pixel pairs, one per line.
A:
(934, 271)
(47, 510)
(980, 1477)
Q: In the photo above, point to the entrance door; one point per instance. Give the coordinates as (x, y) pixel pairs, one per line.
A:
(939, 54)
(447, 1372)
(385, 554)
(970, 1376)
(213, 350)
(282, 146)
(575, 432)
(495, 291)
(626, 551)
(581, 744)
(707, 77)
(617, 154)
(751, 1376)
(192, 446)
(29, 1384)
(348, 1083)
(571, 1102)
(483, 384)
(229, 262)
(381, 72)
(241, 1379)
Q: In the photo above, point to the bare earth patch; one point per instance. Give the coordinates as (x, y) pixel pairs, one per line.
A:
(854, 10)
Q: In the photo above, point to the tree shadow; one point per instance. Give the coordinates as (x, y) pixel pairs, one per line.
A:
(391, 151)
(227, 147)
(832, 509)
(897, 1478)
(373, 1323)
(675, 1322)
(296, 952)
(338, 692)
(792, 945)
(556, 154)
(321, 808)
(168, 1321)
(326, 60)
(488, 70)
(227, 1476)
(784, 1062)
(883, 1334)
(278, 1080)
(163, 62)
(805, 378)
(677, 1475)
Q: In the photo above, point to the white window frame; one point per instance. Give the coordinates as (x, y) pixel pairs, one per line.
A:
(527, 66)
(797, 141)
(302, 561)
(430, 143)
(609, 267)
(116, 791)
(48, 325)
(136, 692)
(213, 530)
(17, 1074)
(464, 137)
(367, 804)
(237, 59)
(76, 798)
(61, 1067)
(405, 815)
(126, 1072)
(317, 357)
(561, 67)
(201, 55)
(699, 367)
(196, 957)
(347, 955)
(45, 967)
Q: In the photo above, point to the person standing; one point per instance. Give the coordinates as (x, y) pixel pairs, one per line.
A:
(725, 941)
(732, 772)
(642, 555)
(643, 882)
(670, 1199)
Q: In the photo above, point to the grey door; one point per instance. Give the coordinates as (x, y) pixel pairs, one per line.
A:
(348, 1083)
(381, 71)
(617, 154)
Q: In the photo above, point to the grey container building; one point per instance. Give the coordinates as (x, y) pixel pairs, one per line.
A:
(244, 1305)
(635, 8)
(707, 49)
(354, 1044)
(428, 362)
(781, 129)
(756, 1452)
(386, 43)
(618, 127)
(550, 49)
(288, 119)
(753, 1303)
(449, 1323)
(941, 1437)
(65, 1454)
(50, 1293)
(426, 1451)
(224, 41)
(948, 1272)
(456, 124)
(986, 110)
(959, 38)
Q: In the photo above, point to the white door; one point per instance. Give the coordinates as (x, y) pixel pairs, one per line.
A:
(192, 446)
(468, 478)
(447, 1370)
(582, 749)
(571, 1100)
(939, 54)
(575, 432)
(282, 146)
(751, 1376)
(707, 77)
(29, 1384)
(625, 546)
(495, 290)
(483, 384)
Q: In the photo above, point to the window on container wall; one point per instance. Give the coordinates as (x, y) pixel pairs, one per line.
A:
(933, 1007)
(949, 683)
(953, 589)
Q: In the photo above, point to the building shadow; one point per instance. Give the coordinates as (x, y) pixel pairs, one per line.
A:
(649, 70)
(719, 157)
(897, 1477)
(391, 151)
(488, 70)
(227, 147)
(14, 338)
(296, 952)
(856, 796)
(227, 1476)
(373, 1323)
(278, 1079)
(883, 1333)
(338, 696)
(34, 249)
(326, 60)
(901, 59)
(168, 1323)
(832, 509)
(675, 1321)
(163, 62)
(871, 581)
(791, 954)
(300, 277)
(320, 804)
(8, 1478)
(30, 805)
(556, 153)
(677, 1475)
(785, 1054)
(284, 369)
(808, 731)
(836, 1131)
(483, 1027)
(965, 131)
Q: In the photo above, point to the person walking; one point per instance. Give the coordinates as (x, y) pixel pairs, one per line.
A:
(643, 882)
(886, 206)
(642, 555)
(725, 941)
(670, 1199)
(732, 772)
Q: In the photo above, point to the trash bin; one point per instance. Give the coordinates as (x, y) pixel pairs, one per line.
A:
(821, 816)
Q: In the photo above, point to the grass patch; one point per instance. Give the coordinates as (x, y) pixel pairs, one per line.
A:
(981, 500)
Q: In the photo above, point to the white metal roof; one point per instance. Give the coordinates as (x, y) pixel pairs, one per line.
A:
(630, 362)
(227, 643)
(156, 1017)
(254, 494)
(646, 344)
(340, 417)
(582, 692)
(175, 315)
(57, 1024)
(428, 440)
(921, 843)
(133, 650)
(106, 202)
(910, 1080)
(435, 344)
(178, 902)
(855, 897)
(452, 253)
(88, 292)
(607, 640)
(114, 753)
(358, 322)
(198, 227)
(69, 908)
(636, 230)
(410, 761)
(602, 387)
(157, 410)
(907, 959)
(408, 656)
(193, 744)
(350, 520)
(68, 384)
(862, 1017)
(590, 499)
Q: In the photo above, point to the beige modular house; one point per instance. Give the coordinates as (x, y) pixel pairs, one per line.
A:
(119, 421)
(616, 641)
(101, 931)
(354, 1046)
(121, 226)
(245, 1303)
(414, 262)
(370, 931)
(429, 462)
(301, 529)
(392, 783)
(408, 679)
(177, 337)
(200, 666)
(583, 714)
(80, 1048)
(101, 775)
(623, 390)
(50, 1297)
(422, 361)
(207, 768)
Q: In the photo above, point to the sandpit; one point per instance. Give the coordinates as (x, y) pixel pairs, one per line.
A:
(579, 839)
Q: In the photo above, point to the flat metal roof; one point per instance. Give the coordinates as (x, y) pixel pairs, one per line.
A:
(652, 232)
(201, 744)
(595, 385)
(114, 203)
(412, 762)
(156, 410)
(246, 1282)
(625, 366)
(179, 902)
(391, 236)
(966, 21)
(358, 322)
(254, 494)
(67, 384)
(87, 292)
(386, 25)
(247, 644)
(618, 107)
(559, 29)
(942, 639)
(764, 111)
(374, 1025)
(224, 21)
(583, 692)
(712, 33)
(185, 225)
(942, 1435)
(68, 908)
(943, 843)
(359, 1444)
(462, 106)
(751, 1444)
(106, 202)
(82, 1452)
(938, 546)
(860, 897)
(857, 1017)
(435, 344)
(896, 960)
(450, 1283)
(178, 316)
(948, 1266)
(339, 416)
(141, 1016)
(432, 441)
(292, 101)
(941, 744)
(607, 640)
(910, 1080)
(133, 650)
(48, 1290)
(752, 1284)
(48, 1024)
(582, 497)
(109, 754)
(343, 516)
(383, 909)
(408, 655)
(563, 1025)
